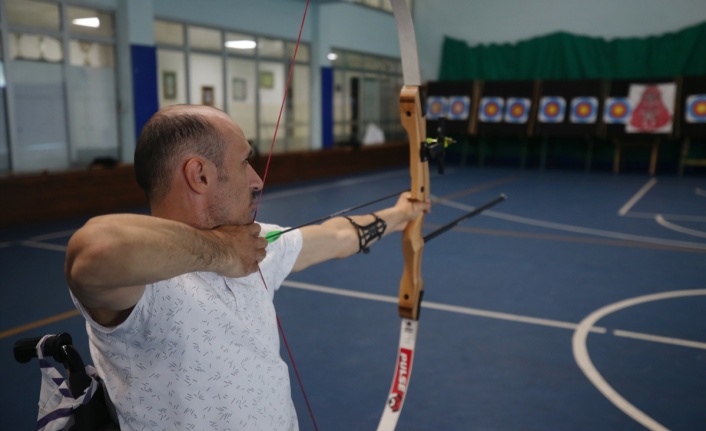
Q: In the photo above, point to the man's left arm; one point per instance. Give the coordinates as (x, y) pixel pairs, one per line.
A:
(340, 237)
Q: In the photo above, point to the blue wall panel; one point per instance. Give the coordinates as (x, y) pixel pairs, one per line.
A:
(144, 84)
(327, 107)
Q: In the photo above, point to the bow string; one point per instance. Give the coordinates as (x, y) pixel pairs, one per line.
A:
(257, 207)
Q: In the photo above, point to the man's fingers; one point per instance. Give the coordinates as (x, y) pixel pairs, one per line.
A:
(260, 254)
(244, 249)
(254, 229)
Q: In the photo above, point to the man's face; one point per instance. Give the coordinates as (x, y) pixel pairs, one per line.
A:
(233, 201)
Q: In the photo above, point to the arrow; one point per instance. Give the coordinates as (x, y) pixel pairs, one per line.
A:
(453, 223)
(275, 234)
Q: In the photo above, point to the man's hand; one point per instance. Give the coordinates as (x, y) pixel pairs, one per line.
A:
(337, 238)
(242, 249)
(409, 210)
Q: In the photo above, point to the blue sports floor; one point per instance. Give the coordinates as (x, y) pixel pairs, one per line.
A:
(577, 304)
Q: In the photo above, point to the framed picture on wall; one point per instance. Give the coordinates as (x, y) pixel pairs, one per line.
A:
(267, 80)
(239, 89)
(169, 85)
(207, 95)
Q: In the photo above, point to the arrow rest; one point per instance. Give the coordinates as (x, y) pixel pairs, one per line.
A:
(435, 148)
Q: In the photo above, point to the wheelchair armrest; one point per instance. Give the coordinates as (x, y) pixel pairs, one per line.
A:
(26, 349)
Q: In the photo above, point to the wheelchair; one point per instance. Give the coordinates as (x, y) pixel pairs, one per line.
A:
(77, 403)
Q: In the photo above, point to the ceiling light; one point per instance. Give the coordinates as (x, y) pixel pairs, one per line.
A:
(241, 44)
(87, 22)
(332, 56)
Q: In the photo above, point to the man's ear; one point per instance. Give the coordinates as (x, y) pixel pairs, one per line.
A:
(198, 174)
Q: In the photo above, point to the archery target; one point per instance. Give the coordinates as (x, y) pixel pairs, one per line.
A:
(584, 110)
(652, 108)
(696, 108)
(617, 110)
(552, 109)
(491, 109)
(437, 107)
(459, 107)
(517, 110)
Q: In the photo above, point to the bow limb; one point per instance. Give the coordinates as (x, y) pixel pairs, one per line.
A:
(411, 285)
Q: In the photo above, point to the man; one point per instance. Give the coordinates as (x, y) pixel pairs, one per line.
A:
(180, 321)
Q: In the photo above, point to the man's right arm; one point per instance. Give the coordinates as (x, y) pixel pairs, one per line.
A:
(111, 258)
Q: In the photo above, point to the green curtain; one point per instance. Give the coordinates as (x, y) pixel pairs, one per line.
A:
(567, 56)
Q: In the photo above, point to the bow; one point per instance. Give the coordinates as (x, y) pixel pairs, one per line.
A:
(421, 150)
(411, 285)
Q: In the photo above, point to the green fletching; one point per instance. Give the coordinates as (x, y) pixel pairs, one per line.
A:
(273, 236)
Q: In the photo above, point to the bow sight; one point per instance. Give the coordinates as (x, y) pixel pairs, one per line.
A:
(435, 148)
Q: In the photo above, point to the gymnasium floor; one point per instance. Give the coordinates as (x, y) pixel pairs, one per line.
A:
(575, 275)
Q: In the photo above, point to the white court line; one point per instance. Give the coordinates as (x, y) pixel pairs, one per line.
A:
(43, 245)
(494, 314)
(342, 183)
(35, 240)
(53, 235)
(676, 228)
(505, 316)
(700, 192)
(438, 306)
(579, 229)
(580, 350)
(333, 185)
(660, 339)
(640, 193)
(677, 217)
(441, 307)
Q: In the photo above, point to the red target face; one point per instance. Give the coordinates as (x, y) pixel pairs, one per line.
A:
(617, 110)
(436, 108)
(491, 109)
(551, 109)
(696, 108)
(583, 110)
(458, 108)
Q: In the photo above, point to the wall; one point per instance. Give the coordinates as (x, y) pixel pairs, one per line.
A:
(352, 27)
(53, 196)
(327, 25)
(276, 18)
(356, 28)
(499, 21)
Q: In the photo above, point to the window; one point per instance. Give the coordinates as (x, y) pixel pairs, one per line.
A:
(379, 4)
(90, 22)
(201, 38)
(61, 67)
(169, 33)
(242, 45)
(240, 73)
(33, 14)
(366, 91)
(4, 139)
(36, 47)
(271, 48)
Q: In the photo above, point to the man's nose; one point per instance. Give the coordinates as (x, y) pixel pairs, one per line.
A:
(254, 180)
